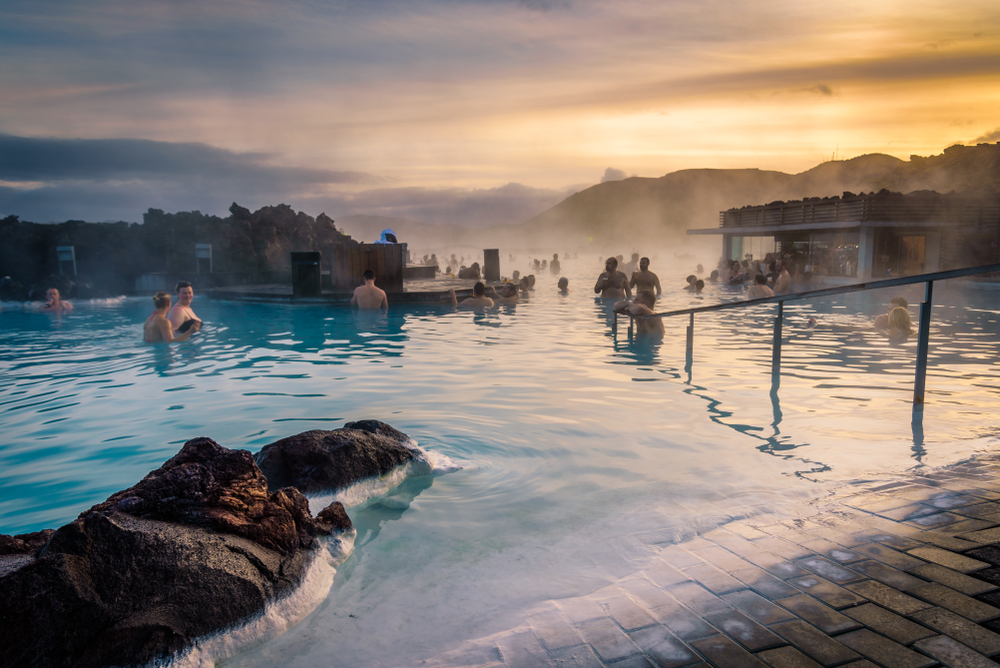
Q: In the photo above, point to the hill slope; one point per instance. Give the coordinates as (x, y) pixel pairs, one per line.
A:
(662, 210)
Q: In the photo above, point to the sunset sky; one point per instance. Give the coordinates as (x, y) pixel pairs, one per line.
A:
(464, 112)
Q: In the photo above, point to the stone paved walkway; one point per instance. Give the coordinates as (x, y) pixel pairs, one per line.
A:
(901, 574)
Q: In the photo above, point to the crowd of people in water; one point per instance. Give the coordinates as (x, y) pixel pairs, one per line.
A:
(175, 322)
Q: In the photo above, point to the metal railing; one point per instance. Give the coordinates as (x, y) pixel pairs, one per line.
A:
(923, 331)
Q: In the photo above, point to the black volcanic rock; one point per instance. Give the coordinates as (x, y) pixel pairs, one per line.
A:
(321, 460)
(197, 546)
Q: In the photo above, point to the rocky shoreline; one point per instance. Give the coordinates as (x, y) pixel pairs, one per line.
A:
(200, 545)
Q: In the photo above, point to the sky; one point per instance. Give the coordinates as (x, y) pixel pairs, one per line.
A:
(464, 112)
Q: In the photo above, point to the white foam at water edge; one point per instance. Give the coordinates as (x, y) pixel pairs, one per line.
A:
(423, 463)
(276, 618)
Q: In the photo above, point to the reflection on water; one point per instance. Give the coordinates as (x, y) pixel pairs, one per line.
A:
(582, 446)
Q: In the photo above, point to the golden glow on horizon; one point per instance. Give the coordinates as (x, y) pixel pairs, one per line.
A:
(778, 86)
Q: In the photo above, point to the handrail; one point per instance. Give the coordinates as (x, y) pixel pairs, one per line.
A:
(923, 332)
(840, 289)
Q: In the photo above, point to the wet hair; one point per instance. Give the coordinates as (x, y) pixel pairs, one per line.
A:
(369, 275)
(691, 279)
(699, 285)
(479, 289)
(563, 282)
(714, 276)
(162, 299)
(612, 261)
(181, 284)
(646, 298)
(531, 280)
(760, 279)
(899, 318)
(899, 301)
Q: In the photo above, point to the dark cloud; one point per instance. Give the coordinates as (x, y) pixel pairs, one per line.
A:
(52, 180)
(820, 89)
(612, 174)
(47, 160)
(989, 137)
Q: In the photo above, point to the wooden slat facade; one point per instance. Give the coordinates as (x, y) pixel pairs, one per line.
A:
(349, 261)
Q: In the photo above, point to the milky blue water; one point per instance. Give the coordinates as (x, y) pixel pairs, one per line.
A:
(580, 449)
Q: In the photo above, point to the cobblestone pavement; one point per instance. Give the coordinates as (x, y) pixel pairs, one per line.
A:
(898, 574)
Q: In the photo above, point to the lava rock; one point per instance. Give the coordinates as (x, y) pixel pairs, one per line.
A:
(321, 460)
(197, 546)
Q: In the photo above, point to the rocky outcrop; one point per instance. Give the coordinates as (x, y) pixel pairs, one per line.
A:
(197, 546)
(321, 460)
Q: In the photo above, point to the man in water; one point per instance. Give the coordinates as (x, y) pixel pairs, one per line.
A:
(507, 295)
(643, 305)
(760, 288)
(181, 316)
(612, 284)
(782, 284)
(644, 280)
(368, 296)
(54, 304)
(563, 286)
(478, 298)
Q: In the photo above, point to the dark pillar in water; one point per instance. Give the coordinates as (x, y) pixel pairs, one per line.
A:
(307, 275)
(491, 264)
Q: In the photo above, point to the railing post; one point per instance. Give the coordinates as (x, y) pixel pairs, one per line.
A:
(614, 324)
(923, 338)
(690, 340)
(776, 346)
(631, 325)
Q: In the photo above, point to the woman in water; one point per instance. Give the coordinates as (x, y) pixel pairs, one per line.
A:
(157, 327)
(900, 328)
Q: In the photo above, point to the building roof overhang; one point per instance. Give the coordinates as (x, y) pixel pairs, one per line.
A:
(770, 230)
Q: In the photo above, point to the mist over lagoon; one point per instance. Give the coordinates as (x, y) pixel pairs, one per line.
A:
(541, 481)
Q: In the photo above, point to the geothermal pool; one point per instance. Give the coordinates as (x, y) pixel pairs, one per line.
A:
(580, 450)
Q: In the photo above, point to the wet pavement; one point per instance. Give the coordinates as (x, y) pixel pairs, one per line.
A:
(900, 574)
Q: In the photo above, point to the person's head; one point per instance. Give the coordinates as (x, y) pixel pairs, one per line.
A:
(611, 264)
(161, 300)
(635, 257)
(699, 285)
(475, 265)
(52, 295)
(555, 256)
(531, 280)
(563, 283)
(691, 279)
(899, 301)
(369, 275)
(479, 289)
(644, 264)
(516, 275)
(714, 276)
(646, 298)
(760, 279)
(185, 293)
(525, 284)
(899, 319)
(509, 290)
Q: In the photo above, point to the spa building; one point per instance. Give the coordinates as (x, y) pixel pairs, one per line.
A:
(860, 237)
